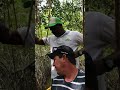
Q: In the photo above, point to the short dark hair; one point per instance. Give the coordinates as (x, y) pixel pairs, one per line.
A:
(71, 59)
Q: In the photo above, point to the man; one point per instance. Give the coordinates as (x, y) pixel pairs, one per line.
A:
(61, 37)
(70, 78)
(99, 34)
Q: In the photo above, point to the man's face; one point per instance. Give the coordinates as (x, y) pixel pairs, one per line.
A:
(59, 65)
(56, 30)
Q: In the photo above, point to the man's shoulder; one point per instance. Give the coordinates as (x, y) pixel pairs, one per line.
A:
(50, 37)
(80, 78)
(81, 74)
(57, 80)
(74, 33)
(58, 77)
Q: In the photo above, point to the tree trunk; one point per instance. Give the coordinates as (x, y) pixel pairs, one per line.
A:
(117, 16)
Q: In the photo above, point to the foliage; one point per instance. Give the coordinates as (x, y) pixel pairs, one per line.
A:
(69, 12)
(104, 6)
(42, 68)
(17, 69)
(10, 8)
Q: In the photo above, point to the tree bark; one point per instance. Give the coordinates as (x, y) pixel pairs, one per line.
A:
(117, 16)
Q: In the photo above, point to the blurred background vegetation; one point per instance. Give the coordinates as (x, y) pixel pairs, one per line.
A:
(17, 68)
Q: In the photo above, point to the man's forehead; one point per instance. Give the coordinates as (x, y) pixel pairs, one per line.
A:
(55, 57)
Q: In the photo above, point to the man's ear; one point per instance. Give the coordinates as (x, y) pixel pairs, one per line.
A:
(64, 57)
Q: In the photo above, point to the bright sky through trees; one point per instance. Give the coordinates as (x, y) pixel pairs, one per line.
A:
(44, 1)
